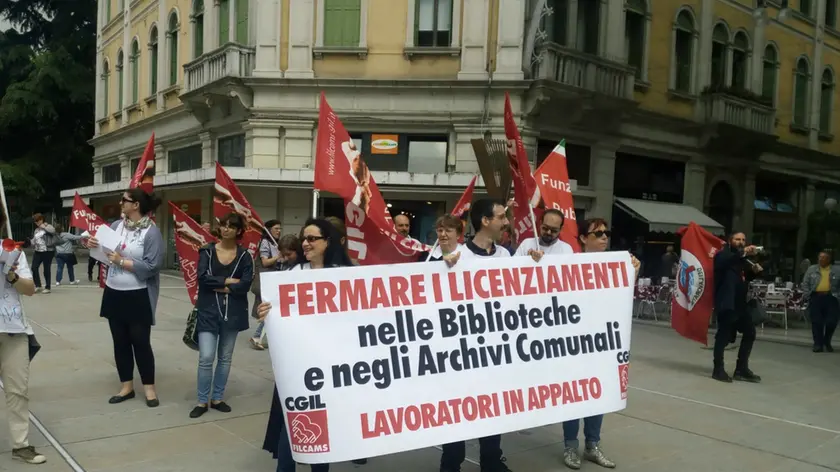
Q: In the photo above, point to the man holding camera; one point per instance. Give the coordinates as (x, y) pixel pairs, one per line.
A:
(733, 271)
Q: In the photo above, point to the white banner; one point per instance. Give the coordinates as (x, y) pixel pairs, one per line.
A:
(381, 359)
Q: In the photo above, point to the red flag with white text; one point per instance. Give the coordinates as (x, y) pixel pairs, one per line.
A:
(82, 217)
(228, 198)
(524, 186)
(463, 206)
(553, 187)
(693, 299)
(190, 237)
(340, 169)
(144, 175)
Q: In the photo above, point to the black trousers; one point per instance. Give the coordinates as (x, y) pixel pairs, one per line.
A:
(133, 342)
(45, 259)
(490, 453)
(825, 311)
(731, 322)
(93, 263)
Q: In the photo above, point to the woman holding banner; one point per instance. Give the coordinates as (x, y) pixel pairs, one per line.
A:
(131, 293)
(321, 248)
(225, 272)
(449, 231)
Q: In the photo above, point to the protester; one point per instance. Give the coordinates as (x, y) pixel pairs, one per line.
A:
(669, 262)
(821, 288)
(225, 272)
(14, 356)
(93, 264)
(269, 260)
(549, 241)
(733, 273)
(449, 230)
(594, 237)
(44, 240)
(320, 248)
(402, 224)
(131, 293)
(65, 255)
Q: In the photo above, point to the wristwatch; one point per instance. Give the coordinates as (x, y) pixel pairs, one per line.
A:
(122, 262)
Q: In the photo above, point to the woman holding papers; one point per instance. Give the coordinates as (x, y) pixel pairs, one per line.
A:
(321, 248)
(225, 273)
(131, 290)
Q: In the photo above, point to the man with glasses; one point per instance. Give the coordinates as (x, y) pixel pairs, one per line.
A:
(549, 241)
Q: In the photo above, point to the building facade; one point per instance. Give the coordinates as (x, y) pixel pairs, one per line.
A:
(713, 104)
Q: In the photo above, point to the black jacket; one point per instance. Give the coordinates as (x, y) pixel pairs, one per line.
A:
(219, 309)
(732, 277)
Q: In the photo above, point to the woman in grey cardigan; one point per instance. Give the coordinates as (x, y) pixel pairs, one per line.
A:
(65, 255)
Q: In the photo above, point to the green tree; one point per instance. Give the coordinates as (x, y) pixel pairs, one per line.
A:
(47, 84)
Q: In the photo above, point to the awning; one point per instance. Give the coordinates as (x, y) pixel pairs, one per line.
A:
(667, 217)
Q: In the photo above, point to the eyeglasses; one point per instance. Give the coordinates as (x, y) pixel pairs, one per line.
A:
(549, 229)
(599, 234)
(127, 200)
(311, 239)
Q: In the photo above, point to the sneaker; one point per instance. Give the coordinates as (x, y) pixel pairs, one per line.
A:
(746, 375)
(58, 284)
(571, 457)
(38, 289)
(75, 282)
(46, 291)
(29, 455)
(593, 453)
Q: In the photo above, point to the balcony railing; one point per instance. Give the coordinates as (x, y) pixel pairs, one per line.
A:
(585, 71)
(725, 108)
(230, 60)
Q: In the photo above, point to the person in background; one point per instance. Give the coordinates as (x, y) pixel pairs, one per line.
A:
(669, 262)
(14, 356)
(449, 230)
(131, 293)
(594, 236)
(549, 241)
(321, 248)
(225, 272)
(402, 224)
(269, 260)
(289, 246)
(43, 240)
(65, 255)
(506, 240)
(206, 226)
(93, 264)
(821, 288)
(339, 226)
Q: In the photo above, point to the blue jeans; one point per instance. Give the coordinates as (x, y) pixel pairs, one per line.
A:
(60, 263)
(208, 345)
(258, 332)
(591, 431)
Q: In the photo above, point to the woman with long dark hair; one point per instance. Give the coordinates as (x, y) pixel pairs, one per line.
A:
(131, 293)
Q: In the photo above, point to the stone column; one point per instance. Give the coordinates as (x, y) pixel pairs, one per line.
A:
(163, 57)
(301, 37)
(474, 39)
(125, 167)
(126, 74)
(464, 156)
(510, 31)
(806, 206)
(211, 26)
(813, 121)
(262, 144)
(100, 103)
(603, 178)
(745, 221)
(297, 144)
(161, 160)
(694, 185)
(206, 149)
(268, 26)
(757, 59)
(572, 24)
(612, 30)
(703, 51)
(97, 174)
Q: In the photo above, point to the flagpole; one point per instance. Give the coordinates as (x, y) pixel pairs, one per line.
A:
(316, 194)
(433, 250)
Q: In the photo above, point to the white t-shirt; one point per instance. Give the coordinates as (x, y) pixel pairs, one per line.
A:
(438, 252)
(11, 311)
(557, 247)
(466, 253)
(131, 248)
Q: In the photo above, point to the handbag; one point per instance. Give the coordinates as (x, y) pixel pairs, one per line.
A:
(756, 312)
(190, 333)
(34, 346)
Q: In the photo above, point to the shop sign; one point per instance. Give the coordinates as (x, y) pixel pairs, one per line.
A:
(384, 143)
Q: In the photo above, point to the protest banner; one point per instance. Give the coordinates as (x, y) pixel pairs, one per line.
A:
(377, 360)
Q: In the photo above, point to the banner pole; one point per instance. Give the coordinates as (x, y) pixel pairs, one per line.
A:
(433, 250)
(5, 209)
(316, 194)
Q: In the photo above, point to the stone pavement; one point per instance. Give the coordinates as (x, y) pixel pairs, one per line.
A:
(678, 419)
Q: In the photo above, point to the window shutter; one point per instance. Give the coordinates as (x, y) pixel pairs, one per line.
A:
(105, 97)
(120, 96)
(173, 58)
(154, 67)
(352, 22)
(342, 19)
(199, 37)
(224, 22)
(242, 21)
(135, 72)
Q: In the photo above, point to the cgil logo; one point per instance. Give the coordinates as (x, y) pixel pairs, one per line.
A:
(310, 433)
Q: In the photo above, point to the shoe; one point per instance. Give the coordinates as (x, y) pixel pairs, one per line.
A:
(29, 455)
(90, 279)
(198, 411)
(152, 402)
(828, 348)
(817, 348)
(746, 375)
(719, 374)
(38, 289)
(499, 466)
(221, 406)
(58, 284)
(359, 461)
(255, 344)
(46, 291)
(121, 398)
(593, 453)
(571, 457)
(75, 282)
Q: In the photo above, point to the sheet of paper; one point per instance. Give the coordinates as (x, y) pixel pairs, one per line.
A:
(109, 241)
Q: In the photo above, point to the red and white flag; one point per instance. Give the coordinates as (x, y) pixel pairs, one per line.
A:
(144, 175)
(228, 198)
(463, 206)
(694, 299)
(553, 187)
(340, 169)
(82, 217)
(524, 186)
(190, 237)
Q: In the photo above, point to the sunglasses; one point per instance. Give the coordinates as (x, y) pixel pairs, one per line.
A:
(127, 200)
(599, 234)
(311, 239)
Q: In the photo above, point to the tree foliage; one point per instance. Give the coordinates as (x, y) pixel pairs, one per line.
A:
(47, 84)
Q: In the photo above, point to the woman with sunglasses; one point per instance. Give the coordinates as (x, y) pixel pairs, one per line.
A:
(321, 248)
(131, 293)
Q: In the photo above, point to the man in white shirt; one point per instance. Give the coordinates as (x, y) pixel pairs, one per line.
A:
(549, 240)
(14, 358)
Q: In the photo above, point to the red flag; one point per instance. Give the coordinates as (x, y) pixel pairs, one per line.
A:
(144, 175)
(463, 206)
(693, 301)
(340, 169)
(228, 198)
(552, 179)
(82, 217)
(189, 238)
(524, 187)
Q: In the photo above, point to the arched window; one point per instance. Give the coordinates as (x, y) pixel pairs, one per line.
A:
(198, 28)
(120, 64)
(740, 61)
(153, 60)
(634, 34)
(172, 35)
(720, 38)
(801, 77)
(135, 71)
(684, 34)
(106, 84)
(826, 100)
(769, 73)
